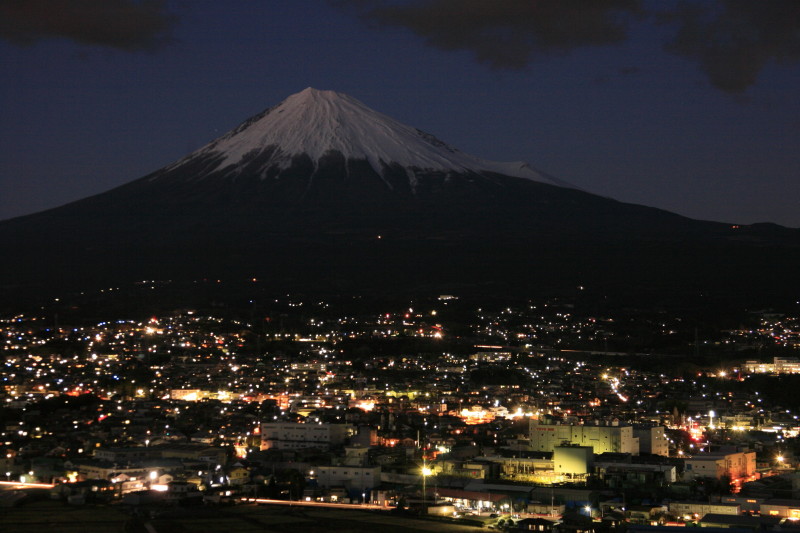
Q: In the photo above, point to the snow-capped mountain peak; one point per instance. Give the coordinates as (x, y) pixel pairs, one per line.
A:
(315, 123)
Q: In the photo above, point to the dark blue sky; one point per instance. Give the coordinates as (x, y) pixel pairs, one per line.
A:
(701, 128)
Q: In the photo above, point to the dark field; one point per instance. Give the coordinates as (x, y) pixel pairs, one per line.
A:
(56, 517)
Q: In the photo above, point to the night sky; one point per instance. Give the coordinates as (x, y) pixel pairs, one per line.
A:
(693, 107)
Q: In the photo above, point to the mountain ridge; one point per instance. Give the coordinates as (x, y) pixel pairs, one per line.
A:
(248, 204)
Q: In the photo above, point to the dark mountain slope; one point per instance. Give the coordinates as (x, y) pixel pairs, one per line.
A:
(286, 198)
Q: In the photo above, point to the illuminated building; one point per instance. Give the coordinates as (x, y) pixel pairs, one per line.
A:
(476, 415)
(612, 438)
(779, 365)
(652, 440)
(783, 508)
(572, 459)
(735, 465)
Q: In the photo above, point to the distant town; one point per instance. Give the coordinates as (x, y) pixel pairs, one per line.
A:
(534, 416)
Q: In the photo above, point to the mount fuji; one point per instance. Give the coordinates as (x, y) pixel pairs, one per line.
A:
(323, 193)
(326, 145)
(325, 125)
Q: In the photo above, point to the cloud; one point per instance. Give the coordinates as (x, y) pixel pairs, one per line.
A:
(733, 40)
(128, 25)
(508, 34)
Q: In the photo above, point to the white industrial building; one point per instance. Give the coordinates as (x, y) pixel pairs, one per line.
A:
(606, 438)
(652, 440)
(297, 436)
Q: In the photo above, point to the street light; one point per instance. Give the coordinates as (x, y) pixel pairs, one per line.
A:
(425, 473)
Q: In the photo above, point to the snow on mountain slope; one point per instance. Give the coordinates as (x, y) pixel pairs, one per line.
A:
(314, 122)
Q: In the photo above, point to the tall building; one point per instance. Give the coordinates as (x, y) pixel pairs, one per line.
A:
(609, 438)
